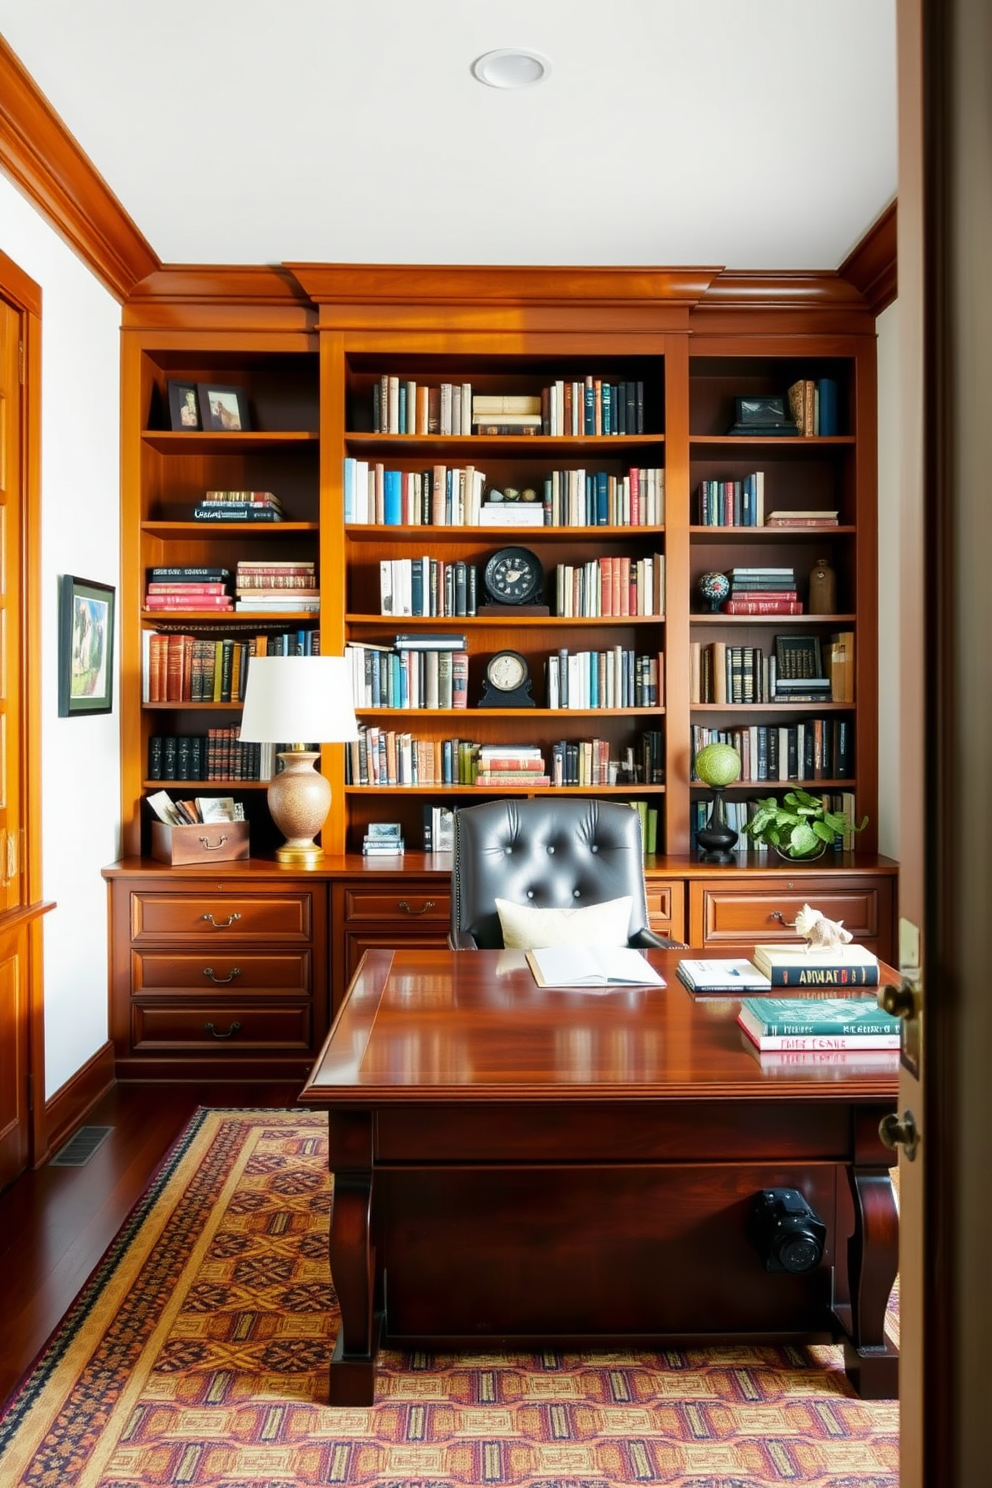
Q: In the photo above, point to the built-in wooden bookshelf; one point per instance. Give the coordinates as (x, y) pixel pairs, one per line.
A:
(309, 354)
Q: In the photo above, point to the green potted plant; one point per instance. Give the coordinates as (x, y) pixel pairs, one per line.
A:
(798, 825)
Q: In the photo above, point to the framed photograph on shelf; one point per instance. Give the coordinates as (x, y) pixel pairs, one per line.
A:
(184, 407)
(223, 408)
(86, 647)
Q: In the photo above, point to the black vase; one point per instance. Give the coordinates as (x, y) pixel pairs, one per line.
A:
(716, 840)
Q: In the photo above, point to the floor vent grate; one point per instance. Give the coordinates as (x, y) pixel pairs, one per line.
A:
(81, 1146)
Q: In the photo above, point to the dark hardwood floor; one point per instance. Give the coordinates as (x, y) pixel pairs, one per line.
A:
(56, 1223)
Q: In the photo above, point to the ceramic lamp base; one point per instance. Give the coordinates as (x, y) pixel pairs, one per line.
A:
(299, 799)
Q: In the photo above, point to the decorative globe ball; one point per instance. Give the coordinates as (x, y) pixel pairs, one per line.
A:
(713, 589)
(718, 764)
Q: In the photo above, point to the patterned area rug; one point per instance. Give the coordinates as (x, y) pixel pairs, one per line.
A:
(197, 1356)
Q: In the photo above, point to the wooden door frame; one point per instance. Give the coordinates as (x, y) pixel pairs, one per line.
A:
(25, 296)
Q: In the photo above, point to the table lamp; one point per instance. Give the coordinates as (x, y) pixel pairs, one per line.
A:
(305, 698)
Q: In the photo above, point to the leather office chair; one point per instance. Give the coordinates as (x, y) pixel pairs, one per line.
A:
(544, 853)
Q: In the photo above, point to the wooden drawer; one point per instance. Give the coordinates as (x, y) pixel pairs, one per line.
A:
(229, 973)
(725, 916)
(223, 1029)
(202, 916)
(666, 906)
(398, 906)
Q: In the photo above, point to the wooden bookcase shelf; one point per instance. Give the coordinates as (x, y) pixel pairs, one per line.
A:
(308, 354)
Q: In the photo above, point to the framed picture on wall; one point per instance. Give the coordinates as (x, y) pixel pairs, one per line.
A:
(86, 647)
(223, 408)
(184, 407)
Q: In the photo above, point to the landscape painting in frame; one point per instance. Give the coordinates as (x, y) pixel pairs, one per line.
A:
(86, 647)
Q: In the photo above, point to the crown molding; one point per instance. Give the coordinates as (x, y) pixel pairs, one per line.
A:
(41, 157)
(871, 266)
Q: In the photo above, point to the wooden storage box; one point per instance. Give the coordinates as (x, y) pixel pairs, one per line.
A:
(200, 842)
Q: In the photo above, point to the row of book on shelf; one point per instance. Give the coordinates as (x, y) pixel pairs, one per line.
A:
(739, 812)
(289, 585)
(420, 671)
(572, 408)
(610, 586)
(740, 502)
(815, 749)
(390, 757)
(219, 754)
(457, 496)
(795, 669)
(182, 668)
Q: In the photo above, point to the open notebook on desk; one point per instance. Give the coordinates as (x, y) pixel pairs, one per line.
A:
(591, 966)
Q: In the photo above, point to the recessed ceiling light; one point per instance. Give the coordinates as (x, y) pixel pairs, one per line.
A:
(511, 67)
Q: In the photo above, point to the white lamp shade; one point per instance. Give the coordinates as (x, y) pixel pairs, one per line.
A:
(298, 699)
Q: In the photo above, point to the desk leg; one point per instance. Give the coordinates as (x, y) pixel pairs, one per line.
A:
(352, 1372)
(871, 1362)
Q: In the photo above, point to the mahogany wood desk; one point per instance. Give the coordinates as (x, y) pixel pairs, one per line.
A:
(521, 1168)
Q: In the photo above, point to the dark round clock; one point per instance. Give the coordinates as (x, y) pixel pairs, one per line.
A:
(513, 576)
(506, 681)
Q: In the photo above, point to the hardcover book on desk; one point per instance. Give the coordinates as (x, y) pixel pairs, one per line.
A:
(841, 966)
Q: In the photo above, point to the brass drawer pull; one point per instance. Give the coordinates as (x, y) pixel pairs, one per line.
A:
(213, 846)
(209, 1027)
(404, 905)
(235, 971)
(777, 914)
(220, 924)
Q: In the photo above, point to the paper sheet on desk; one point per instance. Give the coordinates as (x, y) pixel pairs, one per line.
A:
(592, 968)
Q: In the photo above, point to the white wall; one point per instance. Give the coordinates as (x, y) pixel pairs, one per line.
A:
(80, 768)
(888, 581)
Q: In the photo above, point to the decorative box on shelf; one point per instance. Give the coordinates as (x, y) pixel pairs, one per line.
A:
(199, 842)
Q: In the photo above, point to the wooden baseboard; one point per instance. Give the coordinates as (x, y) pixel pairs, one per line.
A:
(69, 1105)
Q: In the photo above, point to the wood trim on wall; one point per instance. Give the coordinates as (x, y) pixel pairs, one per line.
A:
(871, 266)
(70, 1104)
(40, 155)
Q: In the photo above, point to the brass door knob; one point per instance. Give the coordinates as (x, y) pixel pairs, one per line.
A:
(899, 1131)
(900, 1001)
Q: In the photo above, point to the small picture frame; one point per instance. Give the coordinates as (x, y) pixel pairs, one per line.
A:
(184, 406)
(86, 647)
(223, 409)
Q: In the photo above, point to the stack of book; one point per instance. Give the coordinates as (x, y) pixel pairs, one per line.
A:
(183, 588)
(499, 765)
(239, 506)
(383, 840)
(277, 586)
(762, 590)
(506, 413)
(801, 517)
(799, 674)
(800, 1024)
(721, 976)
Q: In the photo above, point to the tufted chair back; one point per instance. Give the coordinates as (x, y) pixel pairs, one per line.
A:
(547, 853)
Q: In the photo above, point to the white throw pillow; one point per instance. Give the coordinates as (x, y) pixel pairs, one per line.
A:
(527, 929)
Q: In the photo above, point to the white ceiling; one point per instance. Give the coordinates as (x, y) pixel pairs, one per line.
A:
(739, 133)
